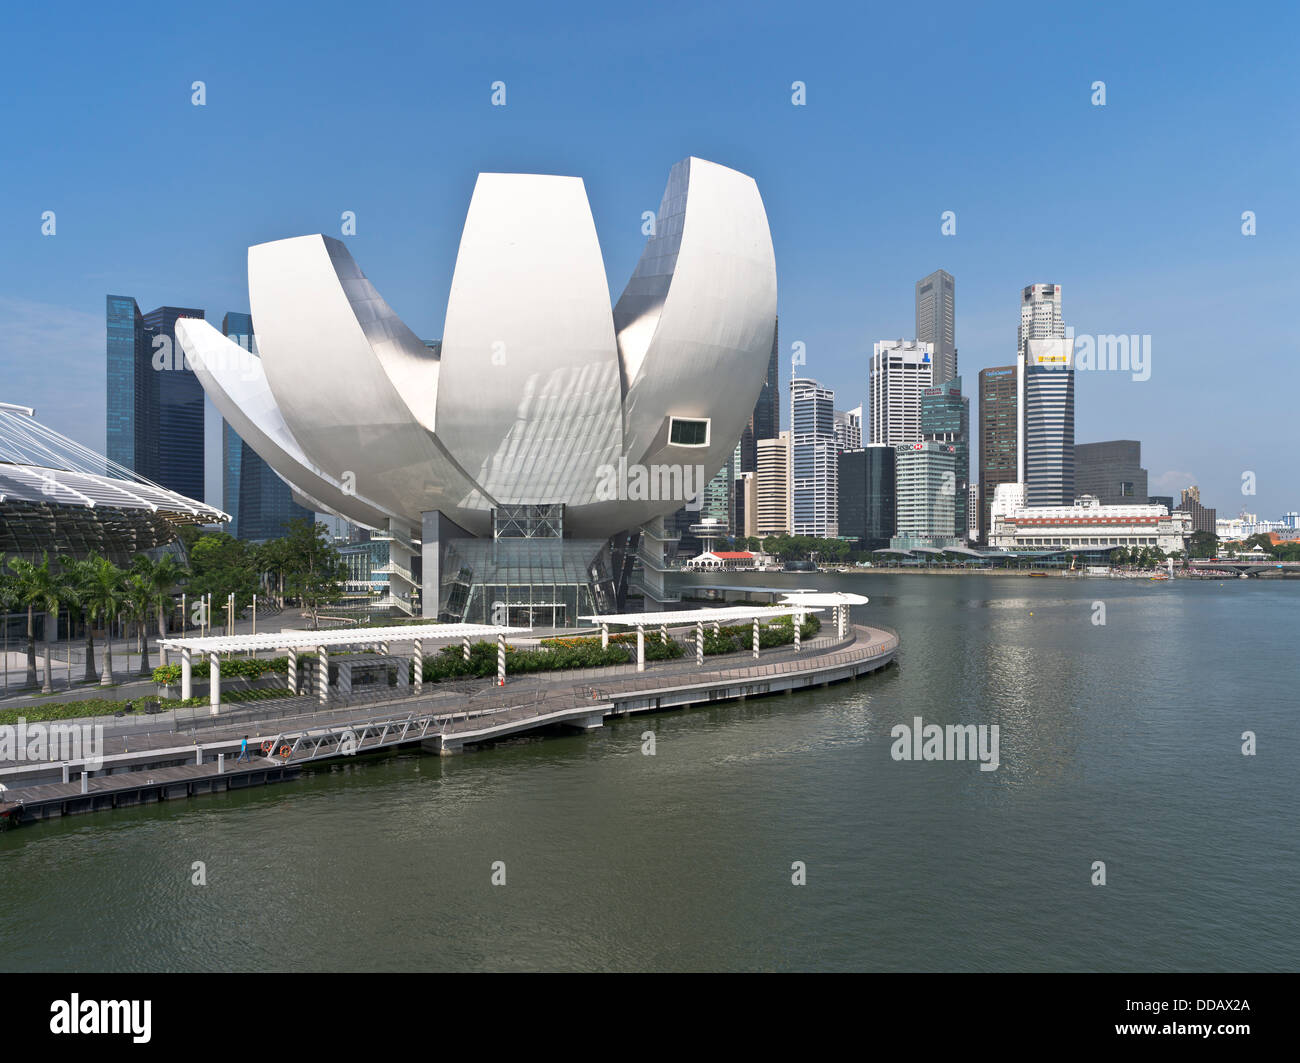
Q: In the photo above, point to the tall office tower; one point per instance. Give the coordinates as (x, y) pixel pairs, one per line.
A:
(900, 371)
(1045, 435)
(848, 429)
(936, 298)
(1111, 471)
(812, 433)
(1203, 518)
(774, 486)
(765, 421)
(744, 505)
(867, 495)
(945, 418)
(155, 402)
(260, 504)
(973, 513)
(999, 425)
(926, 505)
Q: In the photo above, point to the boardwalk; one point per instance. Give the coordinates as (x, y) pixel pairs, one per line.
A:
(141, 766)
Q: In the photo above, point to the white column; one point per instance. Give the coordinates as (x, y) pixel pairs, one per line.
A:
(293, 672)
(798, 623)
(417, 670)
(717, 628)
(214, 676)
(501, 658)
(699, 643)
(187, 674)
(323, 679)
(464, 647)
(640, 648)
(604, 636)
(663, 633)
(756, 637)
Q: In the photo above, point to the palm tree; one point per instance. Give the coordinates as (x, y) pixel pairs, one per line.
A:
(8, 601)
(78, 571)
(47, 590)
(139, 596)
(24, 576)
(162, 576)
(103, 595)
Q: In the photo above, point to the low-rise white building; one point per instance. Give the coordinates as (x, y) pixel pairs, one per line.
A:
(1086, 525)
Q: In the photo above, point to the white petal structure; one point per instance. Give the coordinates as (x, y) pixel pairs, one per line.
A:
(539, 393)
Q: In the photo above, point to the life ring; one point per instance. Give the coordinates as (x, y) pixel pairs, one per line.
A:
(267, 746)
(285, 751)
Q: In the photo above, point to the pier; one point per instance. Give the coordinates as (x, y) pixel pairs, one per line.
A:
(287, 736)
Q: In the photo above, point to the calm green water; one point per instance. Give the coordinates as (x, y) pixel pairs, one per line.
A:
(1118, 743)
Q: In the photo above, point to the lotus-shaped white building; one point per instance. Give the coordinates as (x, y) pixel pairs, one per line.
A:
(514, 464)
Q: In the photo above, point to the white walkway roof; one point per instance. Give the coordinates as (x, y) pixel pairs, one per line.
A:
(309, 640)
(691, 616)
(824, 598)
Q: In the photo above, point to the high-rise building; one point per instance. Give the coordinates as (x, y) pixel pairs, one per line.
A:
(867, 495)
(945, 418)
(900, 371)
(154, 400)
(260, 504)
(936, 313)
(1045, 405)
(744, 505)
(773, 476)
(1111, 472)
(812, 434)
(848, 429)
(765, 421)
(999, 425)
(1203, 518)
(972, 513)
(925, 501)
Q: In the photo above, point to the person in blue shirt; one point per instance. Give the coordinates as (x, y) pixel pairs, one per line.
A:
(243, 751)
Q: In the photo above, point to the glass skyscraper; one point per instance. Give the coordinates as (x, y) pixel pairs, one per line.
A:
(154, 400)
(260, 504)
(945, 418)
(815, 459)
(867, 495)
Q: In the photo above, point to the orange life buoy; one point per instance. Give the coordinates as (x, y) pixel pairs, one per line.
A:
(267, 746)
(285, 751)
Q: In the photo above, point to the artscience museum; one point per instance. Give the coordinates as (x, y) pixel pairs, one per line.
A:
(503, 464)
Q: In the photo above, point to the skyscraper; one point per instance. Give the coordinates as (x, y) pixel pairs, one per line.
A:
(1045, 406)
(1111, 471)
(848, 429)
(154, 400)
(774, 486)
(999, 427)
(815, 458)
(900, 371)
(765, 421)
(260, 504)
(945, 418)
(936, 313)
(926, 503)
(866, 494)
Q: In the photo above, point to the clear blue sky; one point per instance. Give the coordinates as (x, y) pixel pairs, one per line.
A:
(384, 109)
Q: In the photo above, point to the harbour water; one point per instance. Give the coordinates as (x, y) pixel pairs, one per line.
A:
(1120, 742)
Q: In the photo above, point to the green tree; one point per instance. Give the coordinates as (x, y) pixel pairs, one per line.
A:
(162, 577)
(314, 571)
(80, 574)
(24, 574)
(136, 602)
(104, 594)
(47, 590)
(221, 565)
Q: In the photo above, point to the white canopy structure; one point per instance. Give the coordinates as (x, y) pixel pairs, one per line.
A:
(699, 617)
(322, 641)
(837, 600)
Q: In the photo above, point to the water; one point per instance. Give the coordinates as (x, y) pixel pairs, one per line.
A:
(1119, 743)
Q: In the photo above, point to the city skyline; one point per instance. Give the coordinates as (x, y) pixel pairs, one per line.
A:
(1142, 226)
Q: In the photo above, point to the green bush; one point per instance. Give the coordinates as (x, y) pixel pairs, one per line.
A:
(231, 668)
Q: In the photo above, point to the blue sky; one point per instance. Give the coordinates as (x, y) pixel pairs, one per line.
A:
(384, 109)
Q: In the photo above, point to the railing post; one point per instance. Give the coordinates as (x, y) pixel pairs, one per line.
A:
(418, 667)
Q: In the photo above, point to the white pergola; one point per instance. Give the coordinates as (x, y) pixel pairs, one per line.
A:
(321, 641)
(837, 600)
(699, 617)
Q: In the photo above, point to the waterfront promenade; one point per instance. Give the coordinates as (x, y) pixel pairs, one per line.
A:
(161, 759)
